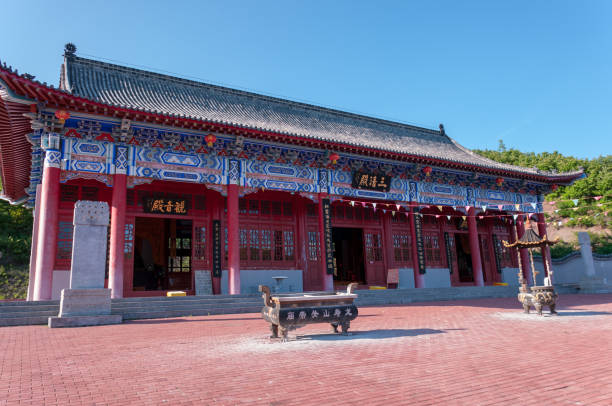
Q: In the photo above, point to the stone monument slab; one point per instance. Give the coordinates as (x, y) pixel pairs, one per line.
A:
(89, 245)
(591, 283)
(87, 302)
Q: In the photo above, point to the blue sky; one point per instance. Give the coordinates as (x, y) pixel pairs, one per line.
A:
(537, 74)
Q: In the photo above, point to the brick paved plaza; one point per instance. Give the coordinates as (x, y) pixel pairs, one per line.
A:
(476, 352)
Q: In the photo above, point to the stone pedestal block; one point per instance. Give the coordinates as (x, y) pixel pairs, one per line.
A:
(203, 283)
(85, 307)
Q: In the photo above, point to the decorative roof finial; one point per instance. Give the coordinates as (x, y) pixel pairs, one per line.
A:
(69, 49)
(442, 129)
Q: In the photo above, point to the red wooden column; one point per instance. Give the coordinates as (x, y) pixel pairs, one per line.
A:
(546, 248)
(326, 280)
(233, 240)
(302, 243)
(47, 232)
(475, 247)
(117, 235)
(419, 279)
(520, 230)
(35, 226)
(387, 245)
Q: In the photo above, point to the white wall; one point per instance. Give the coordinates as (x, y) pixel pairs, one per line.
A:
(61, 280)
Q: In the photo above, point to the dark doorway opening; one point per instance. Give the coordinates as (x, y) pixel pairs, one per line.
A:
(464, 258)
(348, 254)
(162, 254)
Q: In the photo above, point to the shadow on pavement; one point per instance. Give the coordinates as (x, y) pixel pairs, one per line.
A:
(580, 312)
(370, 335)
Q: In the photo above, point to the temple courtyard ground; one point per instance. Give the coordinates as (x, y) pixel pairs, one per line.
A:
(476, 352)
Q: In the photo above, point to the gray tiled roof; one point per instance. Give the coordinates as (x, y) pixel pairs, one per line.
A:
(152, 92)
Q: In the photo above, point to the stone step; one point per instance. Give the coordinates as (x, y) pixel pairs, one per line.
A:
(181, 313)
(24, 303)
(24, 321)
(42, 313)
(145, 308)
(185, 298)
(184, 302)
(27, 309)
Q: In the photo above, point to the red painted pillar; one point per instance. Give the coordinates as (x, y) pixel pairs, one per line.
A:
(419, 279)
(302, 243)
(546, 248)
(233, 240)
(475, 248)
(32, 275)
(326, 279)
(387, 238)
(117, 235)
(520, 230)
(47, 232)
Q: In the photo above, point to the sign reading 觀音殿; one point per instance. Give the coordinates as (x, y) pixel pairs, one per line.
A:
(165, 206)
(370, 181)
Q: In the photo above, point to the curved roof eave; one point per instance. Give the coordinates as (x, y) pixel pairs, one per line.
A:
(486, 165)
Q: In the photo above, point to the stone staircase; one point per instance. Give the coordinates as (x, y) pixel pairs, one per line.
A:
(24, 313)
(162, 307)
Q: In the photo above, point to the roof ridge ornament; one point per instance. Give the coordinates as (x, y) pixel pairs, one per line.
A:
(442, 132)
(70, 49)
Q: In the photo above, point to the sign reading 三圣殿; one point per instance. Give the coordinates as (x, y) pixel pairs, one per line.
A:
(216, 263)
(371, 181)
(165, 206)
(327, 234)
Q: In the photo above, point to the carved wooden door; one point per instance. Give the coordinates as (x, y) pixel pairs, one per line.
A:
(375, 269)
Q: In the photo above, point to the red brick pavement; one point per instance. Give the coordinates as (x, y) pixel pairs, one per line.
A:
(478, 352)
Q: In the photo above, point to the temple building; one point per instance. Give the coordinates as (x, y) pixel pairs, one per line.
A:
(215, 190)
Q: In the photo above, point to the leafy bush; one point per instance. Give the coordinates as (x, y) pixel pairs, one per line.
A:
(13, 283)
(562, 249)
(601, 243)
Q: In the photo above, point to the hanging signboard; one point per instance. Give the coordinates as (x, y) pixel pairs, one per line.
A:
(418, 232)
(327, 234)
(370, 181)
(165, 206)
(449, 254)
(216, 246)
(497, 251)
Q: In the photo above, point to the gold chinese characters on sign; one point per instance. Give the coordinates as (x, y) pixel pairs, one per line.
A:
(371, 181)
(165, 206)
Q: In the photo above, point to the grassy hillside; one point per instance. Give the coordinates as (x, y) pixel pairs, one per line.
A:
(15, 240)
(584, 206)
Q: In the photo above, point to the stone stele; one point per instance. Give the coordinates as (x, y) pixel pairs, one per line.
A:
(87, 302)
(591, 283)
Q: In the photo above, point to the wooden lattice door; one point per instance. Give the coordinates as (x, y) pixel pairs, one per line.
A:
(375, 270)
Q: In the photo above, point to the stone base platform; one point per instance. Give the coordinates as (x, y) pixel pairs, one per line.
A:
(80, 321)
(85, 307)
